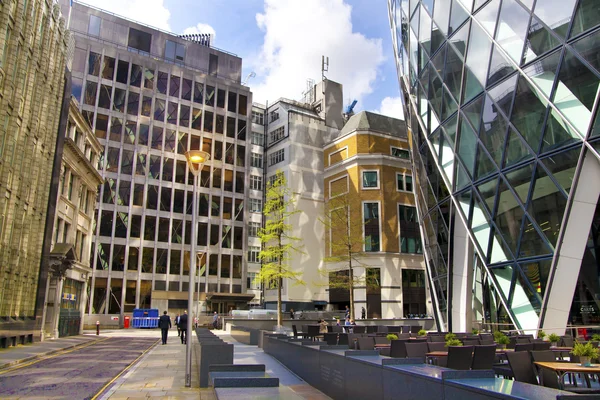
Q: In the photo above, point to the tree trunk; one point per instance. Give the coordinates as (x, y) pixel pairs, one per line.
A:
(279, 300)
(351, 281)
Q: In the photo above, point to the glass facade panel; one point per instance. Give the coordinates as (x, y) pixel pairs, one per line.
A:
(478, 55)
(528, 113)
(556, 14)
(512, 28)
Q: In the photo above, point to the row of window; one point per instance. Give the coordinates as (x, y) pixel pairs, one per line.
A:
(277, 134)
(370, 180)
(276, 157)
(410, 239)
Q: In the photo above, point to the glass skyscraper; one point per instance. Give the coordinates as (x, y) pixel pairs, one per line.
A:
(501, 98)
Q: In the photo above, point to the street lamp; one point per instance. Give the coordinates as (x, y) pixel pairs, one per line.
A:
(195, 160)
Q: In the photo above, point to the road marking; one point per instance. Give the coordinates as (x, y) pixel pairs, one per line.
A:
(47, 357)
(122, 372)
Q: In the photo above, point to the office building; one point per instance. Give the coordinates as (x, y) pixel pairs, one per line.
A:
(150, 96)
(501, 99)
(33, 54)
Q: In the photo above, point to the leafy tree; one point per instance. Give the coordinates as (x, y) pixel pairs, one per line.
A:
(277, 242)
(346, 242)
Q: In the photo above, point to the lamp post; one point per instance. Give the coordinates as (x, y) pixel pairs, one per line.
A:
(195, 160)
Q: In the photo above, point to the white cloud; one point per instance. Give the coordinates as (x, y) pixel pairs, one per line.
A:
(149, 12)
(392, 107)
(297, 34)
(201, 28)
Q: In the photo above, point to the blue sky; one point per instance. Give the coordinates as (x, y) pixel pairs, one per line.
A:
(282, 41)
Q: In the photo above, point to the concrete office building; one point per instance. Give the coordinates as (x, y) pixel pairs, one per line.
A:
(72, 227)
(502, 102)
(33, 54)
(150, 96)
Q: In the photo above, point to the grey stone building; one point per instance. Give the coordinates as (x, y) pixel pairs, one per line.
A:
(150, 96)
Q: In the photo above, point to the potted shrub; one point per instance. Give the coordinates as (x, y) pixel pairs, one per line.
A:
(391, 336)
(586, 353)
(554, 338)
(453, 342)
(475, 331)
(422, 332)
(502, 341)
(449, 336)
(498, 334)
(541, 334)
(596, 337)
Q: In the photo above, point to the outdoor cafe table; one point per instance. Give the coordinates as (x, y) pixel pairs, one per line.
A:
(434, 355)
(562, 368)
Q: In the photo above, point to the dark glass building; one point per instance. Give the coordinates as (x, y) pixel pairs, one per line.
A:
(501, 98)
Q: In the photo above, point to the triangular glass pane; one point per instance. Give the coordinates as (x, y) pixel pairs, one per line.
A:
(558, 133)
(516, 150)
(528, 113)
(547, 204)
(472, 86)
(457, 17)
(428, 4)
(435, 92)
(596, 127)
(512, 28)
(502, 94)
(467, 146)
(453, 72)
(467, 4)
(500, 252)
(413, 5)
(464, 200)
(525, 302)
(587, 47)
(414, 21)
(441, 14)
(556, 14)
(539, 41)
(450, 127)
(493, 130)
(586, 16)
(485, 166)
(520, 180)
(543, 72)
(480, 225)
(478, 3)
(562, 166)
(436, 142)
(488, 15)
(473, 111)
(424, 79)
(504, 278)
(537, 273)
(449, 106)
(478, 54)
(532, 244)
(459, 40)
(500, 67)
(462, 179)
(576, 91)
(487, 191)
(437, 37)
(509, 216)
(425, 31)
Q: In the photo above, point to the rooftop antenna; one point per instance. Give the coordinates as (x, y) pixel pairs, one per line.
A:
(250, 75)
(324, 68)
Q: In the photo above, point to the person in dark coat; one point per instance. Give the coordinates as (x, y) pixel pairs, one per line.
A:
(183, 323)
(177, 325)
(363, 313)
(164, 323)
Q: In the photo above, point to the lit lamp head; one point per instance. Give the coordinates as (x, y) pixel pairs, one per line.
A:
(196, 159)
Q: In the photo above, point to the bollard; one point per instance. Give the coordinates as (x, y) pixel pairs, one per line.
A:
(97, 327)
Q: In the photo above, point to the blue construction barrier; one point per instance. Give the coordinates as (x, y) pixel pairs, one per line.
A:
(145, 318)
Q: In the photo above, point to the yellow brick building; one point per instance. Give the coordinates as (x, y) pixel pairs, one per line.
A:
(367, 171)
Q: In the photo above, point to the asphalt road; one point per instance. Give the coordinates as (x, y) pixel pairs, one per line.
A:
(77, 374)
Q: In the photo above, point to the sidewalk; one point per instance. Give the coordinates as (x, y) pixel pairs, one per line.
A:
(161, 372)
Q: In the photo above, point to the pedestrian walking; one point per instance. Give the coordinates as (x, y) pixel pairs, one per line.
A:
(177, 325)
(215, 321)
(164, 323)
(292, 313)
(347, 312)
(183, 323)
(363, 313)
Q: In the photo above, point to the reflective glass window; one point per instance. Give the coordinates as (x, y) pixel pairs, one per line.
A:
(104, 98)
(441, 13)
(556, 14)
(135, 78)
(108, 68)
(562, 166)
(558, 132)
(148, 78)
(89, 96)
(133, 103)
(172, 113)
(467, 146)
(122, 71)
(94, 64)
(146, 105)
(174, 88)
(528, 113)
(119, 100)
(488, 15)
(539, 41)
(500, 67)
(198, 92)
(458, 15)
(209, 96)
(478, 55)
(586, 16)
(493, 130)
(116, 126)
(516, 150)
(162, 81)
(512, 28)
(159, 110)
(509, 215)
(186, 89)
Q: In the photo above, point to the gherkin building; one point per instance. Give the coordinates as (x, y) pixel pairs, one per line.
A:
(501, 98)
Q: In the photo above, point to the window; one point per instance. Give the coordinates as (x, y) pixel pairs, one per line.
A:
(213, 65)
(276, 157)
(410, 236)
(255, 182)
(94, 26)
(253, 228)
(70, 186)
(253, 252)
(255, 205)
(258, 138)
(272, 180)
(252, 283)
(66, 232)
(256, 160)
(174, 51)
(404, 182)
(139, 40)
(370, 179)
(277, 134)
(258, 118)
(371, 226)
(400, 153)
(83, 200)
(274, 115)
